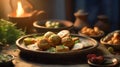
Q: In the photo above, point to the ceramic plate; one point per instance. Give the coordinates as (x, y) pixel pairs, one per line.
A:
(71, 53)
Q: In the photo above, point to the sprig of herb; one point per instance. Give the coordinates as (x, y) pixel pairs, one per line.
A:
(8, 32)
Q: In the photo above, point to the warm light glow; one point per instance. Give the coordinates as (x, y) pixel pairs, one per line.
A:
(20, 10)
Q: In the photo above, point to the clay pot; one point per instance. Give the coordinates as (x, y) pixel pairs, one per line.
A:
(103, 23)
(81, 20)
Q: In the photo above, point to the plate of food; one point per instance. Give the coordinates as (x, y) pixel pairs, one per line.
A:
(112, 40)
(91, 32)
(101, 61)
(52, 25)
(55, 45)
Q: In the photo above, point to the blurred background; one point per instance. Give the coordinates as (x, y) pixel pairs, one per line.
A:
(65, 9)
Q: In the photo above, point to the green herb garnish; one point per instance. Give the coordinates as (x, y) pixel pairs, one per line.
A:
(8, 32)
(77, 41)
(52, 49)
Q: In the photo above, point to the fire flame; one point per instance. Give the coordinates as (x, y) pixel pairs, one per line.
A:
(20, 10)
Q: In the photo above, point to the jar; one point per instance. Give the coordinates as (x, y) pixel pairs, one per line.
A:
(103, 23)
(81, 20)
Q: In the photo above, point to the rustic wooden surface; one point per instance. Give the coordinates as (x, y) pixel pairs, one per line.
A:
(23, 62)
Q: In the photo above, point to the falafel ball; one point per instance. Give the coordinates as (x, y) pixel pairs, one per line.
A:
(48, 34)
(54, 39)
(67, 41)
(43, 44)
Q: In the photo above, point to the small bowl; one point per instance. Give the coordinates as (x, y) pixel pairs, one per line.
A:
(40, 26)
(108, 62)
(97, 37)
(103, 41)
(8, 62)
(107, 45)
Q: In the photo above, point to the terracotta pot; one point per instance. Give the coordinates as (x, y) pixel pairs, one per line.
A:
(81, 20)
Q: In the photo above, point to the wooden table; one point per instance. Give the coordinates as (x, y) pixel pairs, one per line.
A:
(19, 61)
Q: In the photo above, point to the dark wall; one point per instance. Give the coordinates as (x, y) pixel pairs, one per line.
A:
(54, 8)
(46, 5)
(109, 8)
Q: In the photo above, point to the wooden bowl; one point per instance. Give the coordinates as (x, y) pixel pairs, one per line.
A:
(40, 26)
(55, 55)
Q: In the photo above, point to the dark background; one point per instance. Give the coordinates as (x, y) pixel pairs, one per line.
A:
(110, 8)
(64, 9)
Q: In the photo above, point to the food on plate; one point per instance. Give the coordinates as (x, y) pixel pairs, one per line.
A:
(28, 41)
(76, 39)
(67, 41)
(77, 46)
(52, 24)
(43, 44)
(54, 39)
(63, 33)
(55, 43)
(91, 31)
(62, 48)
(48, 34)
(101, 61)
(51, 49)
(95, 59)
(113, 39)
